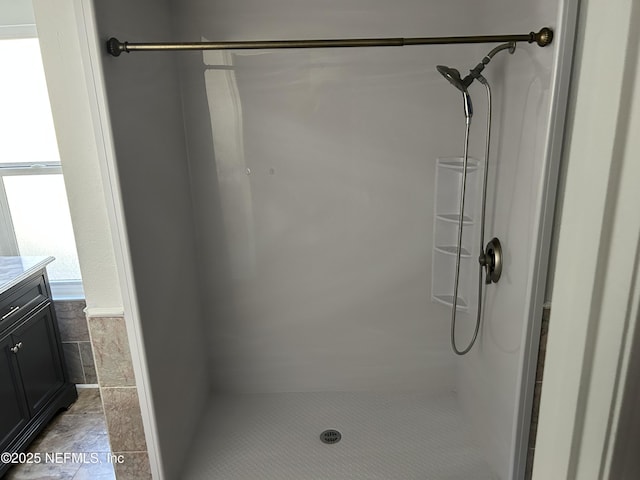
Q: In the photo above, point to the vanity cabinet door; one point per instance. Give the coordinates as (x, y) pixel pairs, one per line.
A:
(15, 414)
(39, 358)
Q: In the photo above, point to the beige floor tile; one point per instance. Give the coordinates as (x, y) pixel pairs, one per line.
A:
(98, 471)
(80, 430)
(89, 401)
(43, 471)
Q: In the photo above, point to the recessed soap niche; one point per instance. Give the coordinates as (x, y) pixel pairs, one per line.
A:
(449, 172)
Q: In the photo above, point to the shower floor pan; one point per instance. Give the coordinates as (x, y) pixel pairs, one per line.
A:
(384, 436)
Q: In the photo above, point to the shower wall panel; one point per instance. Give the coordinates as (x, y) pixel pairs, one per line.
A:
(148, 133)
(313, 175)
(490, 376)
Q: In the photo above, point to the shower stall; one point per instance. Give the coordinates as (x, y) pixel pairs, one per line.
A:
(291, 222)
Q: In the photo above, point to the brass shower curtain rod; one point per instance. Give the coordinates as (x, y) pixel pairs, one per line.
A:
(115, 47)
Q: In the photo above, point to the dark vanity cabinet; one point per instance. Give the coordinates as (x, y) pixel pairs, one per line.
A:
(15, 414)
(33, 380)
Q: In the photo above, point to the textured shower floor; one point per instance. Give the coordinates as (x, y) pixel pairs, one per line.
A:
(384, 437)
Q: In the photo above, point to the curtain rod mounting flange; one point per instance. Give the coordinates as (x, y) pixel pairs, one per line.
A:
(542, 38)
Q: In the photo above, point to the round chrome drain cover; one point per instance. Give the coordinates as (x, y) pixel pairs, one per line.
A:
(330, 436)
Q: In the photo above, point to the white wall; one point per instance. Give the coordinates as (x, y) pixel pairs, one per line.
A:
(592, 346)
(320, 258)
(145, 121)
(57, 31)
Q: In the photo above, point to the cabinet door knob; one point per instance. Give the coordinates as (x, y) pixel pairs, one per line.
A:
(16, 347)
(12, 310)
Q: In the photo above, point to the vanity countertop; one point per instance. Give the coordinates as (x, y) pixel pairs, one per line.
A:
(13, 270)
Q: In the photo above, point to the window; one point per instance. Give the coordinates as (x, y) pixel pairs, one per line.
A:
(34, 213)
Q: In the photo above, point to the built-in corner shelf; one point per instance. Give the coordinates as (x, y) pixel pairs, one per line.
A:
(449, 172)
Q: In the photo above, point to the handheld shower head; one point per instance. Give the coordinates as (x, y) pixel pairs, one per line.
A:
(468, 106)
(453, 76)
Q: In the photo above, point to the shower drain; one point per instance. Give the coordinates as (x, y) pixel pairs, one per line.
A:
(330, 436)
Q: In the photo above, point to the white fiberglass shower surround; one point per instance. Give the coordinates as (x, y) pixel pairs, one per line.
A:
(284, 214)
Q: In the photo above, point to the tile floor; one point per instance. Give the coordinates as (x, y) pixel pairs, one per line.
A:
(81, 429)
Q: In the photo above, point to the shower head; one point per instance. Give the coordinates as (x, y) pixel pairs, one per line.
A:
(462, 84)
(453, 76)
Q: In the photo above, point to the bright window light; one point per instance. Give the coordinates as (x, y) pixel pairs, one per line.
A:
(34, 212)
(26, 124)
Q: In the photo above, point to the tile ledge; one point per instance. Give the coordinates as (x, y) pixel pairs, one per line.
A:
(93, 312)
